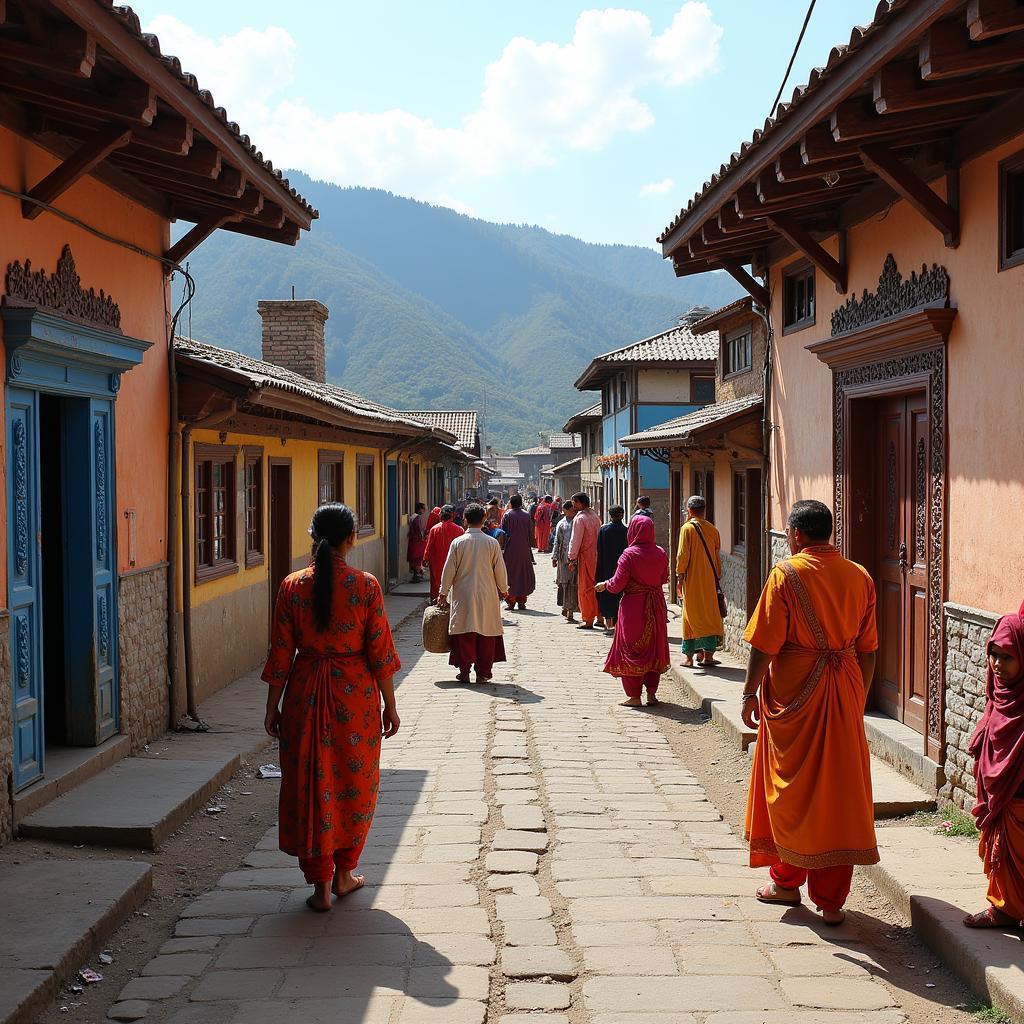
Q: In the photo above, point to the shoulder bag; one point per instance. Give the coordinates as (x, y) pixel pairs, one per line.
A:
(723, 607)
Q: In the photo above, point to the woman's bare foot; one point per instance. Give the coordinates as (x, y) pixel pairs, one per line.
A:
(320, 901)
(687, 661)
(651, 700)
(569, 618)
(632, 702)
(345, 882)
(833, 918)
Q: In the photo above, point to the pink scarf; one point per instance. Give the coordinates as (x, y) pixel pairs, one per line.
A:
(997, 745)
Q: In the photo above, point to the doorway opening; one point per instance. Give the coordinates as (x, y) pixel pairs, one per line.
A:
(280, 525)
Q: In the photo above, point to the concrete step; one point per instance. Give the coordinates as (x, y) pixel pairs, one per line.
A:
(85, 901)
(717, 693)
(934, 881)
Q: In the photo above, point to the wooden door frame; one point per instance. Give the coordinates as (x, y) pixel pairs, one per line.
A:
(272, 462)
(924, 371)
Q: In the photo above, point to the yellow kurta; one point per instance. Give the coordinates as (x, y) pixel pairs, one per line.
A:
(810, 800)
(701, 616)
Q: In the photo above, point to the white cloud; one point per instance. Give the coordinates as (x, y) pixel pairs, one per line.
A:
(657, 188)
(539, 101)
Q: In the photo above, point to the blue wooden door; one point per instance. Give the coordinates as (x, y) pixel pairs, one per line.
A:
(24, 583)
(91, 593)
(392, 521)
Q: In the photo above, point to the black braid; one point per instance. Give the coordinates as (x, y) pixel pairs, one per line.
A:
(332, 525)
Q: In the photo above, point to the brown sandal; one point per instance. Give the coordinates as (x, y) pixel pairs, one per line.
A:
(990, 917)
(770, 894)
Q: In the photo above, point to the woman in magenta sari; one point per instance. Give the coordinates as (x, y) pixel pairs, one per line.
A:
(639, 651)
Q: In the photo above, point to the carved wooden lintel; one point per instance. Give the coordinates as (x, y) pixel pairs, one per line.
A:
(61, 292)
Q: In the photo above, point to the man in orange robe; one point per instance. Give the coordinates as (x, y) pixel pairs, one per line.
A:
(810, 813)
(542, 517)
(583, 557)
(439, 540)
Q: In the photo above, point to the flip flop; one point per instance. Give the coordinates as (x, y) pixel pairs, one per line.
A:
(765, 896)
(989, 918)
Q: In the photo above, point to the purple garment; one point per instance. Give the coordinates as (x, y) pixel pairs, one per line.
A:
(518, 553)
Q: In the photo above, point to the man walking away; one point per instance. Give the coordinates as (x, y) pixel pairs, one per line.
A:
(611, 542)
(474, 581)
(542, 517)
(698, 569)
(518, 553)
(643, 507)
(810, 814)
(583, 556)
(564, 576)
(417, 541)
(439, 540)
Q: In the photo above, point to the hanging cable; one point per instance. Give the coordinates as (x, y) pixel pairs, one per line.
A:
(792, 59)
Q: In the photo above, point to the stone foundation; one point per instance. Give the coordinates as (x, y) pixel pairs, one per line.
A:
(142, 607)
(967, 633)
(734, 586)
(779, 546)
(6, 733)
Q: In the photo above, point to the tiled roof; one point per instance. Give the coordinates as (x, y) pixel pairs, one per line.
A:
(707, 322)
(538, 450)
(267, 375)
(566, 465)
(460, 422)
(683, 426)
(564, 441)
(884, 13)
(130, 21)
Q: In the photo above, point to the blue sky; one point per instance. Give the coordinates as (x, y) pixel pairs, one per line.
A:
(594, 121)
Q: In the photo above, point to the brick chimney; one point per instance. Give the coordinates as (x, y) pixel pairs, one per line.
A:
(293, 335)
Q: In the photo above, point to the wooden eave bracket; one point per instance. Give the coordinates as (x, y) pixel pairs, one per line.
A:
(197, 235)
(987, 19)
(71, 53)
(752, 287)
(794, 233)
(881, 160)
(90, 153)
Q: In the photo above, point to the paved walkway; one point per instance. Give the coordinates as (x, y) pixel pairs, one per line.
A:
(539, 856)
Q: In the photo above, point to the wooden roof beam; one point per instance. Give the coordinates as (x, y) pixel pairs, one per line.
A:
(76, 166)
(918, 193)
(794, 233)
(202, 162)
(790, 166)
(898, 88)
(72, 52)
(197, 235)
(769, 189)
(855, 121)
(752, 208)
(819, 147)
(946, 51)
(231, 182)
(750, 285)
(135, 102)
(169, 134)
(987, 19)
(189, 203)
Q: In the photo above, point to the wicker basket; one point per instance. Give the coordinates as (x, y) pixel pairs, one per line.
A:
(435, 630)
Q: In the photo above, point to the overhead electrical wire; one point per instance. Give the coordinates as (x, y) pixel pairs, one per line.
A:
(792, 59)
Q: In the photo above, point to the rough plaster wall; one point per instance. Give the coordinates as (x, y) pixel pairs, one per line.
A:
(967, 633)
(734, 586)
(142, 613)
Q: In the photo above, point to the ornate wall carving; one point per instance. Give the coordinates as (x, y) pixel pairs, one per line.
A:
(894, 295)
(930, 364)
(100, 455)
(20, 498)
(62, 292)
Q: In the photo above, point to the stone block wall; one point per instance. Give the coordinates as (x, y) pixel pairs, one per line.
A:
(142, 612)
(967, 633)
(751, 382)
(6, 733)
(779, 546)
(734, 586)
(293, 336)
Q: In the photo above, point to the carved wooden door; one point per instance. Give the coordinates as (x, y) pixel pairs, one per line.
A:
(901, 562)
(24, 574)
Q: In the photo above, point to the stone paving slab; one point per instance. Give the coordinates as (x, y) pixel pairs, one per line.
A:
(41, 952)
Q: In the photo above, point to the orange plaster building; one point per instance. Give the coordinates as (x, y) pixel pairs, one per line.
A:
(104, 141)
(881, 214)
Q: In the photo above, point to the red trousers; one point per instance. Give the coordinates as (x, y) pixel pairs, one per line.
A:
(470, 649)
(322, 869)
(634, 685)
(827, 887)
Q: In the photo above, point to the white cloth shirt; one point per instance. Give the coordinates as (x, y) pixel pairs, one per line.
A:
(473, 579)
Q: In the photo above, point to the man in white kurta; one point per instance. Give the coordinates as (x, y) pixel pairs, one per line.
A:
(473, 583)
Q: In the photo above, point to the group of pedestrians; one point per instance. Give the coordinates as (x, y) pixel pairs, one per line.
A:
(813, 644)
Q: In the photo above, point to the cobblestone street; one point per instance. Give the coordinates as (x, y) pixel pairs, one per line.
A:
(539, 856)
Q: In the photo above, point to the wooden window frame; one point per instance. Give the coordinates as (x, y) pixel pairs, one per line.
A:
(728, 341)
(403, 487)
(215, 454)
(1011, 166)
(707, 472)
(802, 270)
(694, 377)
(739, 511)
(254, 554)
(336, 460)
(414, 470)
(366, 528)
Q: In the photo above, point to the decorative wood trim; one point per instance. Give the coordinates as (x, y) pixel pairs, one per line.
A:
(794, 233)
(217, 452)
(912, 332)
(907, 367)
(61, 292)
(893, 296)
(756, 291)
(252, 454)
(1011, 165)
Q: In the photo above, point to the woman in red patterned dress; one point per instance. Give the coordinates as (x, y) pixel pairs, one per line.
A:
(332, 658)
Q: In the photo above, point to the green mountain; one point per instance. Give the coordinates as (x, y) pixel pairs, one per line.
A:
(431, 308)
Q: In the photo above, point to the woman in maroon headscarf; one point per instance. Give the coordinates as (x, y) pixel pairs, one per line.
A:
(639, 651)
(997, 747)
